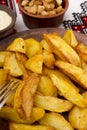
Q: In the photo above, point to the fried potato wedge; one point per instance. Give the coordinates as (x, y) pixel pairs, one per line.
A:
(83, 57)
(84, 65)
(53, 104)
(77, 74)
(78, 118)
(3, 76)
(70, 38)
(82, 48)
(48, 59)
(56, 120)
(46, 87)
(15, 126)
(10, 101)
(2, 57)
(66, 87)
(11, 64)
(84, 94)
(33, 47)
(82, 51)
(24, 96)
(35, 64)
(52, 91)
(62, 49)
(17, 45)
(21, 59)
(10, 114)
(45, 45)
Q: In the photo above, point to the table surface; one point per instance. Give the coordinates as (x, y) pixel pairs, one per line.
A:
(75, 18)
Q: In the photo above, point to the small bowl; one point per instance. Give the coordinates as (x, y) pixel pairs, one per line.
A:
(38, 21)
(6, 31)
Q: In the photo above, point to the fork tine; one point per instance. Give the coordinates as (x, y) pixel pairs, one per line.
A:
(4, 86)
(6, 98)
(7, 91)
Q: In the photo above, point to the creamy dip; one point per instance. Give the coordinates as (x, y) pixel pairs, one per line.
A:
(5, 20)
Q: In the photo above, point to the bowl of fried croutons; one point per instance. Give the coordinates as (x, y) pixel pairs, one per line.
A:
(43, 13)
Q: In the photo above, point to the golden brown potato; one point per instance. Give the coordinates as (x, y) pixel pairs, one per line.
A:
(84, 65)
(78, 118)
(46, 87)
(21, 59)
(10, 114)
(84, 94)
(3, 75)
(15, 126)
(33, 47)
(83, 56)
(82, 51)
(70, 38)
(62, 49)
(77, 74)
(35, 64)
(2, 57)
(17, 45)
(81, 48)
(11, 64)
(45, 45)
(24, 96)
(10, 101)
(52, 103)
(66, 87)
(52, 91)
(48, 59)
(56, 120)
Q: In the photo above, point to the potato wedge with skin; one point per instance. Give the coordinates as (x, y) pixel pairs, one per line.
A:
(78, 118)
(46, 87)
(3, 76)
(17, 45)
(15, 126)
(77, 74)
(83, 56)
(2, 57)
(84, 65)
(33, 47)
(66, 87)
(81, 48)
(56, 120)
(21, 59)
(70, 38)
(84, 94)
(53, 103)
(11, 64)
(10, 114)
(35, 64)
(24, 96)
(48, 59)
(82, 51)
(45, 45)
(62, 49)
(10, 101)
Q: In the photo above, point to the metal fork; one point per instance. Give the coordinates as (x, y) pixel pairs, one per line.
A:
(6, 90)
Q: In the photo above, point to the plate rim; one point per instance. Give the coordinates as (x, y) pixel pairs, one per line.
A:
(39, 31)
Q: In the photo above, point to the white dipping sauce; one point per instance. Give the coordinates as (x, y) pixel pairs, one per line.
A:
(5, 20)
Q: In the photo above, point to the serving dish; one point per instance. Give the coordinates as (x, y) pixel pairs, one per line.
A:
(42, 21)
(37, 34)
(7, 30)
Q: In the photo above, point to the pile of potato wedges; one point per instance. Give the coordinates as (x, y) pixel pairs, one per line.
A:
(52, 76)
